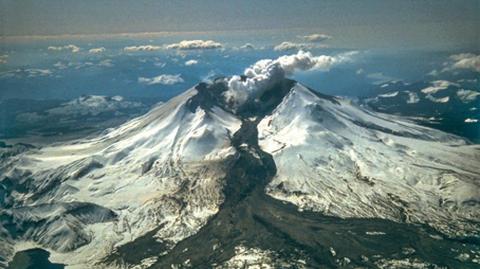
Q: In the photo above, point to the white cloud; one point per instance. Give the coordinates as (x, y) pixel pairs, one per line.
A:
(96, 50)
(467, 96)
(163, 79)
(141, 48)
(268, 71)
(70, 47)
(291, 46)
(438, 85)
(195, 44)
(191, 62)
(465, 61)
(316, 37)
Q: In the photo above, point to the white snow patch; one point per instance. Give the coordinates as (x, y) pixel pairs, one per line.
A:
(256, 258)
(149, 164)
(413, 98)
(469, 120)
(375, 233)
(388, 95)
(438, 100)
(191, 62)
(438, 85)
(467, 96)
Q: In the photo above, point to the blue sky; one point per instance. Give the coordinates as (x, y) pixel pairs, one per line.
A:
(420, 24)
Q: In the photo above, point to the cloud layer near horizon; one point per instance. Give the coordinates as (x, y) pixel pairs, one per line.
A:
(316, 37)
(70, 47)
(195, 44)
(141, 48)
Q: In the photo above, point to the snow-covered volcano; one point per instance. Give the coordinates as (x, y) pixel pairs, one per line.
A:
(163, 175)
(160, 171)
(338, 158)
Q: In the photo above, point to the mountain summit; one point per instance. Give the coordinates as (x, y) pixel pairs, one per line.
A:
(282, 176)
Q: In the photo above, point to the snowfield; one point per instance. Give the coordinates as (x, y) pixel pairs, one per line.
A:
(339, 159)
(163, 169)
(164, 173)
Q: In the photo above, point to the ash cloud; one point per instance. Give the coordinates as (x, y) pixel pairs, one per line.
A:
(266, 72)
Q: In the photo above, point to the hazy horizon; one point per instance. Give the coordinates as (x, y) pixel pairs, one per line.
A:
(425, 24)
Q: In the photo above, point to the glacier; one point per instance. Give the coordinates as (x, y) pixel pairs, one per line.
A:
(340, 159)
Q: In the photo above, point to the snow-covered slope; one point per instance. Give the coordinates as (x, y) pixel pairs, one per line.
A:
(163, 169)
(335, 157)
(164, 173)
